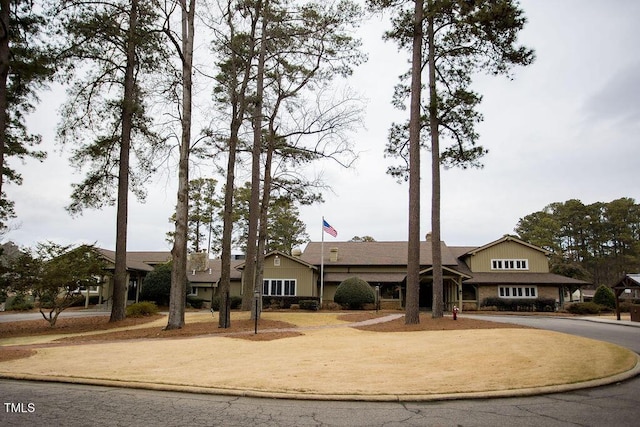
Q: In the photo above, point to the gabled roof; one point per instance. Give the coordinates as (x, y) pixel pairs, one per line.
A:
(505, 238)
(240, 266)
(213, 273)
(373, 254)
(629, 281)
(140, 261)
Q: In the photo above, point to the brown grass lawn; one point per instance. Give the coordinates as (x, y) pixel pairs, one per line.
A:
(84, 329)
(300, 352)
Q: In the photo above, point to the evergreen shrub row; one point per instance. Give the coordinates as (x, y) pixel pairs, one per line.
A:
(504, 304)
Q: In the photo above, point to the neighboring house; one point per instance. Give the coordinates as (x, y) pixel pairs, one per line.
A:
(507, 268)
(138, 265)
(203, 274)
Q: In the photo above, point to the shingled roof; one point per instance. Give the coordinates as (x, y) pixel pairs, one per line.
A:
(510, 278)
(141, 261)
(373, 253)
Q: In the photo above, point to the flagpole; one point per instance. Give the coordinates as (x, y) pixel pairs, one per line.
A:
(322, 262)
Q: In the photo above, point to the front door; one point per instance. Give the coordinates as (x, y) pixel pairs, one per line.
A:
(426, 295)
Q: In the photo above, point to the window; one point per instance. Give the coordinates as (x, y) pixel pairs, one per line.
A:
(279, 287)
(509, 264)
(517, 291)
(193, 291)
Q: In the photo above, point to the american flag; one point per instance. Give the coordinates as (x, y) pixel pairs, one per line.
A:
(329, 229)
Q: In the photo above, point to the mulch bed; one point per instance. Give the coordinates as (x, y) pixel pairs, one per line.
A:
(428, 323)
(239, 329)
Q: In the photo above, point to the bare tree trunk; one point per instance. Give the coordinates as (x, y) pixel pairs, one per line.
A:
(128, 107)
(256, 152)
(412, 305)
(264, 215)
(177, 297)
(238, 106)
(4, 76)
(436, 249)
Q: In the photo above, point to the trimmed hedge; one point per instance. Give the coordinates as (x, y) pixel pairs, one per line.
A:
(584, 308)
(354, 293)
(282, 302)
(142, 309)
(504, 304)
(311, 305)
(196, 302)
(235, 303)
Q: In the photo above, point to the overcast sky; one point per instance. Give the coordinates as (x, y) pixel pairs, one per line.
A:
(567, 127)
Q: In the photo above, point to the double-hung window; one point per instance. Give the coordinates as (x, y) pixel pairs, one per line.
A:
(279, 287)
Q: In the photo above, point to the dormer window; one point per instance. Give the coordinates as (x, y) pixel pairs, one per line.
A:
(509, 264)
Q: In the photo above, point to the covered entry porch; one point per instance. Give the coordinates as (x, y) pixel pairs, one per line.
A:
(451, 289)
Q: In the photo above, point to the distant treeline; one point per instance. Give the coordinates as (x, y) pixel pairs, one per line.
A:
(598, 242)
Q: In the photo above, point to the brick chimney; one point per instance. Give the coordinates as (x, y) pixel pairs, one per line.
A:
(333, 254)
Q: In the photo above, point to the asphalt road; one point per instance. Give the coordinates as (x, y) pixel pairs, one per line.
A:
(8, 316)
(35, 404)
(625, 336)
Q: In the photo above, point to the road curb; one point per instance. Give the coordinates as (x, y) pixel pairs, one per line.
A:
(487, 394)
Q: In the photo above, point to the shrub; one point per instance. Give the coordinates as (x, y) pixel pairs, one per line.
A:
(354, 293)
(584, 308)
(309, 304)
(20, 302)
(234, 302)
(332, 306)
(156, 286)
(507, 304)
(141, 309)
(196, 302)
(625, 307)
(604, 296)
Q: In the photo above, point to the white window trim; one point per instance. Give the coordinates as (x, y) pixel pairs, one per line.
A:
(194, 291)
(518, 291)
(510, 264)
(270, 286)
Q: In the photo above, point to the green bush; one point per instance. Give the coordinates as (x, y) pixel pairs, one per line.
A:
(584, 308)
(196, 302)
(309, 304)
(20, 302)
(141, 309)
(604, 296)
(514, 304)
(354, 293)
(234, 302)
(156, 286)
